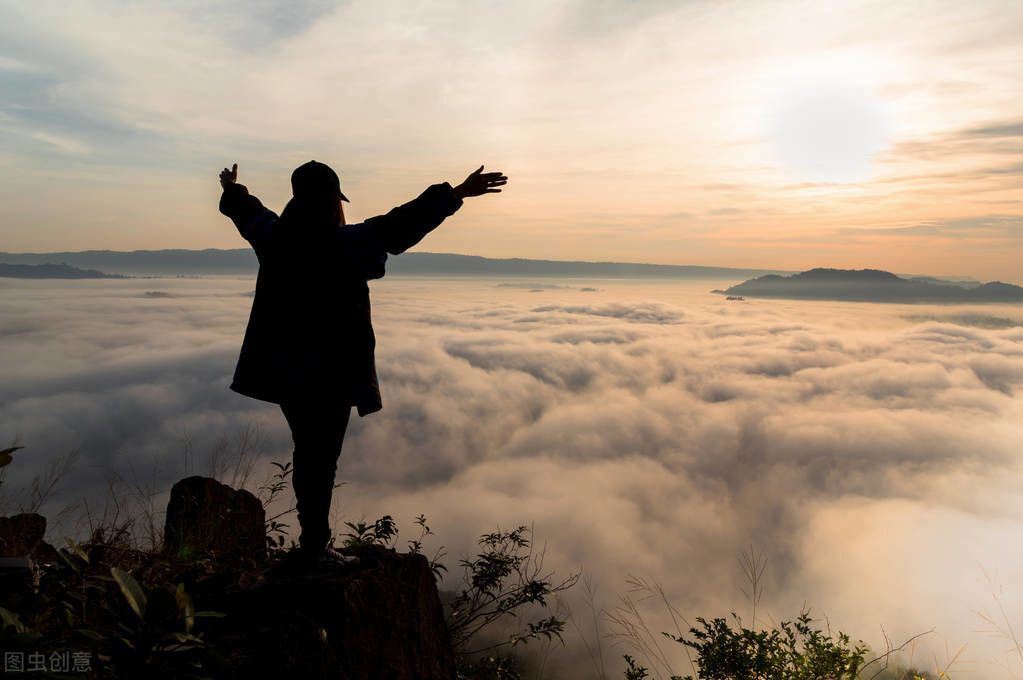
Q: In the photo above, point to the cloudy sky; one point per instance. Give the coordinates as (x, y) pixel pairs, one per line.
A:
(647, 429)
(776, 134)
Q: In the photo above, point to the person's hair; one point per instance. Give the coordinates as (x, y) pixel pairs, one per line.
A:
(312, 212)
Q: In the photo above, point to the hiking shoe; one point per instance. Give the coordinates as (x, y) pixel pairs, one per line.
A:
(332, 557)
(299, 564)
(328, 563)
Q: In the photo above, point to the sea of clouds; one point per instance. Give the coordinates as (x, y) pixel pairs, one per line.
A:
(870, 452)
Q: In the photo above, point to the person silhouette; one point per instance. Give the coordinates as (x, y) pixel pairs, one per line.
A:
(309, 343)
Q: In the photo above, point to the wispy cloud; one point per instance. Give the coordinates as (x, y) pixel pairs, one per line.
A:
(627, 111)
(1014, 129)
(63, 143)
(16, 65)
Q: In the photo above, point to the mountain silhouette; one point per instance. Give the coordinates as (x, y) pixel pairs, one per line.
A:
(872, 285)
(243, 261)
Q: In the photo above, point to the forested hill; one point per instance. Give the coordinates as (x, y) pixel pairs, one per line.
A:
(872, 285)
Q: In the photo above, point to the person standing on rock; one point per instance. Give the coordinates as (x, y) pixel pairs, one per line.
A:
(309, 342)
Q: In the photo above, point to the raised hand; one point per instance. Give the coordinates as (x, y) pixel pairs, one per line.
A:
(229, 176)
(479, 183)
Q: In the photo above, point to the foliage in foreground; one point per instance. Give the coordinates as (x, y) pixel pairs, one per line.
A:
(794, 651)
(131, 608)
(131, 630)
(504, 580)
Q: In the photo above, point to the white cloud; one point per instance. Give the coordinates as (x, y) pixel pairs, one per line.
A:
(65, 144)
(651, 430)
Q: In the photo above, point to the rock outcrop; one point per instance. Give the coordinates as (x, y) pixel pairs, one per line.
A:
(22, 536)
(206, 517)
(380, 619)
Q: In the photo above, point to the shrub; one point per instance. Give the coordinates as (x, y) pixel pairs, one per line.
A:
(503, 580)
(132, 631)
(793, 651)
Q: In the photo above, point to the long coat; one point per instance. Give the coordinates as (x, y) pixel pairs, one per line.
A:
(309, 335)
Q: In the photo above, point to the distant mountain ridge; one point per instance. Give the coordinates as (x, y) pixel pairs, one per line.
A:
(872, 285)
(49, 270)
(243, 261)
(210, 260)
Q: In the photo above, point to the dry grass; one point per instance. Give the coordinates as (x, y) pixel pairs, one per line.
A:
(42, 487)
(130, 516)
(998, 625)
(594, 648)
(630, 628)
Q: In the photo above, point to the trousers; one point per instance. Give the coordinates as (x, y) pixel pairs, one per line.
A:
(318, 431)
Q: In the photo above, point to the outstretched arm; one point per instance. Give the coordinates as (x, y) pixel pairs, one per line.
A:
(246, 211)
(406, 225)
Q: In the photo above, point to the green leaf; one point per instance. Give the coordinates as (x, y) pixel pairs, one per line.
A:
(5, 456)
(10, 618)
(28, 638)
(178, 647)
(210, 614)
(185, 607)
(77, 549)
(178, 638)
(132, 590)
(70, 561)
(161, 607)
(91, 634)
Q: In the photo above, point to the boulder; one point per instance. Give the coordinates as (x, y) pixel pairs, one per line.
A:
(380, 619)
(22, 536)
(205, 517)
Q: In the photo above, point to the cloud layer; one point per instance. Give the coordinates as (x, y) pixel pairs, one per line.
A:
(646, 428)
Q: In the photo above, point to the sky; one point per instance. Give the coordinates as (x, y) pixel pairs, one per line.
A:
(643, 429)
(777, 134)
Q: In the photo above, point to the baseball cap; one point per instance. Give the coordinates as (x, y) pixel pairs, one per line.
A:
(315, 178)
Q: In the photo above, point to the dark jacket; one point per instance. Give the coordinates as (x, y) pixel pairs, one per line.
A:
(309, 334)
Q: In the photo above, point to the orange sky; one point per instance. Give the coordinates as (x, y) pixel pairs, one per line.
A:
(760, 134)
